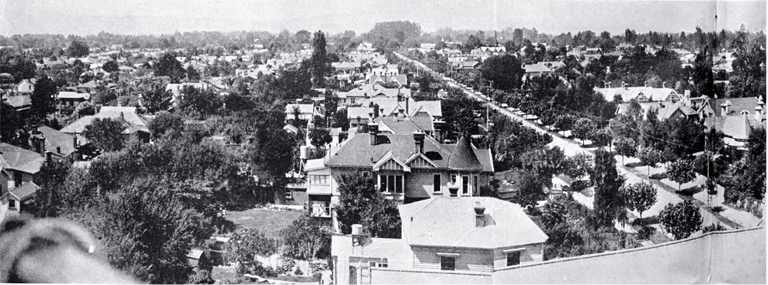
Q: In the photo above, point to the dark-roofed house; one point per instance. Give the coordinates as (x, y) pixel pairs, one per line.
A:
(135, 124)
(449, 237)
(55, 143)
(736, 117)
(407, 167)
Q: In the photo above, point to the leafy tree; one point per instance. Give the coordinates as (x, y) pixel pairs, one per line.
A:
(245, 245)
(307, 238)
(11, 123)
(681, 219)
(192, 74)
(545, 163)
(42, 97)
(169, 66)
(625, 147)
(531, 190)
(51, 177)
(110, 66)
(360, 203)
(609, 201)
(748, 173)
(564, 122)
(583, 129)
(681, 171)
(649, 157)
(146, 230)
(156, 98)
(320, 137)
(197, 103)
(165, 122)
(105, 134)
(77, 49)
(505, 71)
(601, 137)
(640, 196)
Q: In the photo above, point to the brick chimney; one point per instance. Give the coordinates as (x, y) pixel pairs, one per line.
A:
(624, 85)
(759, 113)
(479, 215)
(418, 139)
(373, 131)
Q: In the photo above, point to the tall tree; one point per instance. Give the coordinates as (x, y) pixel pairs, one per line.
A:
(77, 49)
(199, 104)
(156, 98)
(609, 202)
(169, 66)
(51, 178)
(625, 147)
(360, 203)
(505, 71)
(320, 63)
(583, 128)
(307, 238)
(105, 134)
(42, 97)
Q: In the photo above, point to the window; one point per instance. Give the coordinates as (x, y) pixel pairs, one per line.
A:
(464, 185)
(474, 185)
(513, 258)
(366, 173)
(12, 204)
(391, 183)
(318, 179)
(448, 263)
(436, 183)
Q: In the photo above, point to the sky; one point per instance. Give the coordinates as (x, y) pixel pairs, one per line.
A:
(81, 17)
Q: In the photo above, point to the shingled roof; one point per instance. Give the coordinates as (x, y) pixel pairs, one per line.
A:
(463, 158)
(450, 222)
(20, 159)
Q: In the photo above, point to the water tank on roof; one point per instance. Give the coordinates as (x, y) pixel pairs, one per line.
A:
(357, 229)
(304, 150)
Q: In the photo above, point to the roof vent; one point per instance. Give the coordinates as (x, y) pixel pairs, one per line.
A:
(479, 215)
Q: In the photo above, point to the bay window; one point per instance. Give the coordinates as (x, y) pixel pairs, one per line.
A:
(391, 183)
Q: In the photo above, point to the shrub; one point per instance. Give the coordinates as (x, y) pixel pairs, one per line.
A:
(298, 271)
(718, 209)
(646, 232)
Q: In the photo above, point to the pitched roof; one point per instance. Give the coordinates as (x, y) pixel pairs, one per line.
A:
(127, 115)
(72, 95)
(451, 222)
(433, 108)
(21, 159)
(57, 140)
(25, 191)
(362, 112)
(537, 68)
(303, 108)
(736, 127)
(629, 93)
(358, 152)
(736, 105)
(19, 101)
(463, 157)
(401, 126)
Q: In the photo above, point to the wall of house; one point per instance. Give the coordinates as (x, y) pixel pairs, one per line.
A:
(394, 276)
(532, 253)
(426, 258)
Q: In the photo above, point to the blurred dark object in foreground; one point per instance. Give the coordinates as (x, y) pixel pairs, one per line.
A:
(52, 251)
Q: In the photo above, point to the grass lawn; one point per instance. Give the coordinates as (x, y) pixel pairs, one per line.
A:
(266, 221)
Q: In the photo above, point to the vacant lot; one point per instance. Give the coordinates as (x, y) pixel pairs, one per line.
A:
(268, 222)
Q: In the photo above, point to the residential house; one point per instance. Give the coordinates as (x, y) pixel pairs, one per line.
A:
(641, 94)
(536, 69)
(443, 236)
(176, 88)
(736, 117)
(407, 167)
(69, 98)
(18, 168)
(53, 143)
(135, 124)
(26, 87)
(306, 112)
(20, 103)
(356, 96)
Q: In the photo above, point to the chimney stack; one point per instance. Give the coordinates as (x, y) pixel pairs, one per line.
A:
(624, 85)
(373, 131)
(609, 84)
(479, 215)
(645, 84)
(663, 84)
(418, 138)
(759, 113)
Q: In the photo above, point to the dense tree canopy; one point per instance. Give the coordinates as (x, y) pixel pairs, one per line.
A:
(105, 134)
(360, 203)
(505, 71)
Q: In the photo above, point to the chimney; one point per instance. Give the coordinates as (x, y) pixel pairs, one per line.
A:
(759, 113)
(645, 84)
(418, 139)
(663, 84)
(373, 131)
(479, 215)
(609, 84)
(402, 112)
(624, 85)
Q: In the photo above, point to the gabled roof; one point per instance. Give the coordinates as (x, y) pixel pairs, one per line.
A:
(537, 68)
(19, 101)
(127, 115)
(736, 127)
(433, 108)
(20, 159)
(390, 157)
(629, 93)
(401, 126)
(358, 152)
(362, 112)
(463, 157)
(23, 192)
(57, 140)
(451, 222)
